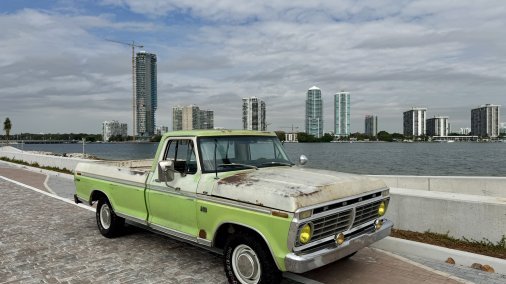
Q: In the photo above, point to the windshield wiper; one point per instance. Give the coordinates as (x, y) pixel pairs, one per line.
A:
(277, 164)
(238, 165)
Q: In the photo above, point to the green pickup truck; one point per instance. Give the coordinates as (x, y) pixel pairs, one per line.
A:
(238, 194)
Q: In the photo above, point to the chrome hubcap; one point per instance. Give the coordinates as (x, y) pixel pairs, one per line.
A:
(246, 264)
(105, 216)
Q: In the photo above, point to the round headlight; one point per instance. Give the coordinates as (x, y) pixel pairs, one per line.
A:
(382, 208)
(305, 234)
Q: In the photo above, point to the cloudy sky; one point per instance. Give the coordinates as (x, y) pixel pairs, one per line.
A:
(59, 73)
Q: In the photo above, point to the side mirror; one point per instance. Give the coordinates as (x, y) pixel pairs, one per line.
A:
(166, 171)
(303, 160)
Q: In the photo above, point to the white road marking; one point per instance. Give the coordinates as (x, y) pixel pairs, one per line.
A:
(47, 186)
(48, 194)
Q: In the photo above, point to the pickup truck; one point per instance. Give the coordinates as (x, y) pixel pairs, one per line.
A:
(237, 193)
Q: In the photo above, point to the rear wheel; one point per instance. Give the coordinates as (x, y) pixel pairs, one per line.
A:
(247, 260)
(109, 224)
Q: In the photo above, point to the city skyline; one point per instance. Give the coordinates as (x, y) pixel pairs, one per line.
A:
(59, 70)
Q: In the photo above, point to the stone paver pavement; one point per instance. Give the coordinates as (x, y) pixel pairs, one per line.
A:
(45, 240)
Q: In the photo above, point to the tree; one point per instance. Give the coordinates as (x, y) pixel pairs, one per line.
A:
(384, 136)
(7, 128)
(281, 135)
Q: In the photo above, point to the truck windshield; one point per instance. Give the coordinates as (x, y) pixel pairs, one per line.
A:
(241, 152)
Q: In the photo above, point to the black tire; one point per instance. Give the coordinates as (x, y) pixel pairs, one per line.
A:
(255, 250)
(109, 224)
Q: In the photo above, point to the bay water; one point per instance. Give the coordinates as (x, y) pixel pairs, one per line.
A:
(446, 159)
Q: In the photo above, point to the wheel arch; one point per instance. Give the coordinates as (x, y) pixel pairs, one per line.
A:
(223, 231)
(97, 194)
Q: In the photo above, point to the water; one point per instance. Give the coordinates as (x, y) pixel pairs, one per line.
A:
(459, 159)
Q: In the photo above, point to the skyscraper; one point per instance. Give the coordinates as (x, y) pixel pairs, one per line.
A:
(113, 128)
(253, 114)
(485, 121)
(342, 114)
(146, 93)
(438, 126)
(371, 125)
(414, 122)
(314, 112)
(191, 117)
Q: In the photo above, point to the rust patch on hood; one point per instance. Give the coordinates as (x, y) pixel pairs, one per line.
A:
(238, 179)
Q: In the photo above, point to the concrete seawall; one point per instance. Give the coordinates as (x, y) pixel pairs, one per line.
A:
(486, 186)
(67, 163)
(462, 207)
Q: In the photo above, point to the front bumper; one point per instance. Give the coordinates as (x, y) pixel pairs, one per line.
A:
(305, 262)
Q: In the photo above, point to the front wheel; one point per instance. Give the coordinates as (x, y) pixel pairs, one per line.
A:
(247, 260)
(109, 224)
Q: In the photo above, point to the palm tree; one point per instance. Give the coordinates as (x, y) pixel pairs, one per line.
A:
(7, 128)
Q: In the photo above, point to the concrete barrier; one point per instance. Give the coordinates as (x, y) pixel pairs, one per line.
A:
(458, 215)
(485, 186)
(67, 163)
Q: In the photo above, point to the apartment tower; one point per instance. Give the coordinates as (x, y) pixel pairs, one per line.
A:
(146, 93)
(438, 126)
(414, 122)
(485, 121)
(314, 112)
(253, 114)
(342, 114)
(371, 125)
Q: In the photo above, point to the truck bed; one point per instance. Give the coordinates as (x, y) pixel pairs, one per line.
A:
(128, 170)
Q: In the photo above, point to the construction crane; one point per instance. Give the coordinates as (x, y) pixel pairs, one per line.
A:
(133, 46)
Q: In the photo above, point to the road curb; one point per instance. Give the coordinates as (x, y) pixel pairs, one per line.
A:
(405, 247)
(39, 170)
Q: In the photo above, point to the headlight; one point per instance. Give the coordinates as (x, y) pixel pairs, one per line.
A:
(382, 209)
(305, 234)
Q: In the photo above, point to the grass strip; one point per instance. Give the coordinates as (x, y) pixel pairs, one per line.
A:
(483, 247)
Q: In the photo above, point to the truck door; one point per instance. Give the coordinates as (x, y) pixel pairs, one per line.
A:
(172, 205)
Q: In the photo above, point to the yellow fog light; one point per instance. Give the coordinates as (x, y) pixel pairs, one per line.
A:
(382, 208)
(305, 234)
(378, 224)
(339, 239)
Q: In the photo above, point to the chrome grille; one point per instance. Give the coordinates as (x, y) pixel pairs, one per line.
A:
(329, 225)
(366, 213)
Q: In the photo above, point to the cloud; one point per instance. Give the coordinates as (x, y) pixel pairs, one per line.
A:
(391, 55)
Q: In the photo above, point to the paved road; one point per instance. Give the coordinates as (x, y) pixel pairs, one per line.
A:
(46, 240)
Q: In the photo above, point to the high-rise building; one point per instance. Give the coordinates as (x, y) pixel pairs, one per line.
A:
(113, 128)
(502, 128)
(342, 114)
(371, 125)
(177, 118)
(314, 112)
(438, 126)
(465, 131)
(253, 114)
(146, 93)
(414, 122)
(160, 130)
(485, 121)
(191, 117)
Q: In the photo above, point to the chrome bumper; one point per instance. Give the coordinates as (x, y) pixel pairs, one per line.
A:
(305, 262)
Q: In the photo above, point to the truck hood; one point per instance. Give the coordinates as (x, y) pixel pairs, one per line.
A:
(290, 188)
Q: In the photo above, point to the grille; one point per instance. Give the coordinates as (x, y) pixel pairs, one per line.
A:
(366, 213)
(329, 225)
